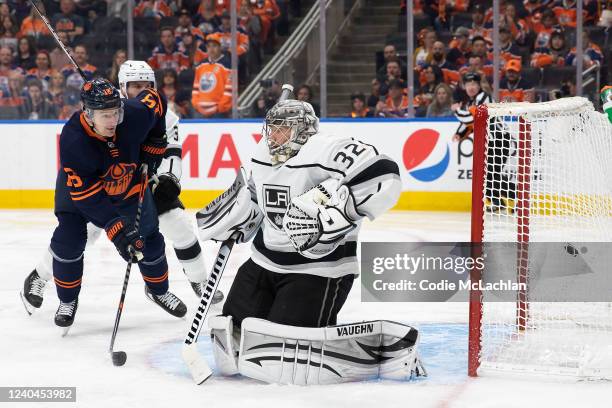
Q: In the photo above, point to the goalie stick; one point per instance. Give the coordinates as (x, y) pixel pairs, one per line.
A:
(199, 369)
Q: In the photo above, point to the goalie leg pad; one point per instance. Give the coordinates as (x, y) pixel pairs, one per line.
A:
(282, 354)
(224, 344)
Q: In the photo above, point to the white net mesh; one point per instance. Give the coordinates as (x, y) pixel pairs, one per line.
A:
(548, 178)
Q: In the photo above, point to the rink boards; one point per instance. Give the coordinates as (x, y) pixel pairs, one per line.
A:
(435, 171)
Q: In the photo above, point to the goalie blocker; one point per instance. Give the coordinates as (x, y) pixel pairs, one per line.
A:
(283, 354)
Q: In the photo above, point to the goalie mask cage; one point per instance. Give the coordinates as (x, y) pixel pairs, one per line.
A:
(542, 173)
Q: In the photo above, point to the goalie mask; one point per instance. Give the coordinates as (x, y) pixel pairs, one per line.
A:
(287, 127)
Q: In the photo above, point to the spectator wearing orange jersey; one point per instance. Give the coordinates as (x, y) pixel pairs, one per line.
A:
(396, 104)
(567, 13)
(591, 53)
(153, 9)
(268, 12)
(225, 33)
(43, 70)
(73, 77)
(168, 55)
(554, 54)
(478, 28)
(68, 21)
(207, 20)
(460, 47)
(185, 24)
(212, 86)
(33, 26)
(358, 107)
(513, 87)
(545, 28)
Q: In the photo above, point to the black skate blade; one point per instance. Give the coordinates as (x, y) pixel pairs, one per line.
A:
(119, 358)
(27, 305)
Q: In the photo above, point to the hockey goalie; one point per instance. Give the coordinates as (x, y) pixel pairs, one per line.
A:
(302, 206)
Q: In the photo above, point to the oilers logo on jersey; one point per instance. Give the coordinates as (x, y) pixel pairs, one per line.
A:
(276, 201)
(208, 82)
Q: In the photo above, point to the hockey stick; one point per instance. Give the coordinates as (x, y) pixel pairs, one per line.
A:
(199, 369)
(119, 357)
(59, 42)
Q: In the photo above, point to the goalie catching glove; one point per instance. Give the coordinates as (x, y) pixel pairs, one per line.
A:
(317, 220)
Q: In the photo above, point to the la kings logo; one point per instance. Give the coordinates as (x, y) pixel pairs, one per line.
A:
(276, 201)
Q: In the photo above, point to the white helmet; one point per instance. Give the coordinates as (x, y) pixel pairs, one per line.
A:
(132, 71)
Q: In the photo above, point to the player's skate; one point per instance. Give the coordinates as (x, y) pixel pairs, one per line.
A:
(198, 288)
(32, 293)
(169, 302)
(64, 317)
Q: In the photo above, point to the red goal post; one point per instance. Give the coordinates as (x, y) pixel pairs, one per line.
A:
(541, 172)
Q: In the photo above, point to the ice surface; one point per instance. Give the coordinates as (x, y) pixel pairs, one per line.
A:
(32, 353)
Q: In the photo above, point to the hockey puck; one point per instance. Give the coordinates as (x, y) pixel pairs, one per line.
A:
(119, 358)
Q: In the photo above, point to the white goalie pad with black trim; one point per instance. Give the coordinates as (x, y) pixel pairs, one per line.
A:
(281, 354)
(234, 211)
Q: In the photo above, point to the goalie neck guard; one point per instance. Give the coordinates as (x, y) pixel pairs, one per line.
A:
(287, 127)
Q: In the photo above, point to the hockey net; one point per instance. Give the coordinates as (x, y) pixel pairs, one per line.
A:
(542, 173)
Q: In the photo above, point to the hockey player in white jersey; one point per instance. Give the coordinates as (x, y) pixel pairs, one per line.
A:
(174, 223)
(310, 192)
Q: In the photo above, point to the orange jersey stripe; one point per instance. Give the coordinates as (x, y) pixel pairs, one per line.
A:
(82, 197)
(156, 280)
(67, 285)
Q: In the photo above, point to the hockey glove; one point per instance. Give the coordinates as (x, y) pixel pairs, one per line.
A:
(152, 153)
(167, 188)
(126, 239)
(317, 220)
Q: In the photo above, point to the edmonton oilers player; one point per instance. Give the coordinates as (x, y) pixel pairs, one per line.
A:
(101, 149)
(174, 223)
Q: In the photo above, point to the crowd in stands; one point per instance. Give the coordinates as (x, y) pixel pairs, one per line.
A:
(534, 34)
(189, 47)
(192, 57)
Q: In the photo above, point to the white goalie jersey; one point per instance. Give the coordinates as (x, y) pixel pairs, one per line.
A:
(373, 181)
